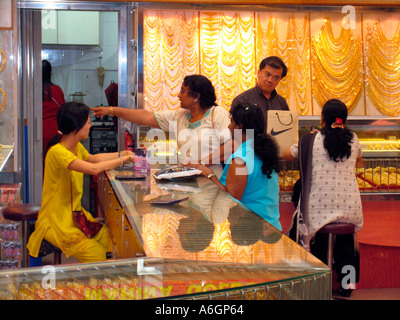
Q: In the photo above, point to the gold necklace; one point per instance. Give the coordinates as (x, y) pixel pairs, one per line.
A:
(4, 100)
(3, 60)
(337, 66)
(382, 65)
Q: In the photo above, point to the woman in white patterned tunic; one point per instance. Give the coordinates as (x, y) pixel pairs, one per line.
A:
(334, 192)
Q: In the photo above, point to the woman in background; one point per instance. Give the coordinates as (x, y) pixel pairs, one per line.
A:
(52, 100)
(334, 195)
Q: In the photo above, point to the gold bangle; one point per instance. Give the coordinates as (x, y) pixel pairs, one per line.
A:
(211, 175)
(111, 112)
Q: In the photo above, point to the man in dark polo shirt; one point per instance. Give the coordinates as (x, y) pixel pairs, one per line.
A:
(271, 71)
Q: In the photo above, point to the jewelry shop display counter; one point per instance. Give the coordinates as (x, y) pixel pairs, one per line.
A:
(204, 247)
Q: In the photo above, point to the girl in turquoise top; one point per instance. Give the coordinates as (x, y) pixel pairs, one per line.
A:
(251, 173)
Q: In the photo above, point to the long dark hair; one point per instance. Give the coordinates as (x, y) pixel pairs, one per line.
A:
(337, 141)
(251, 117)
(46, 80)
(199, 84)
(71, 117)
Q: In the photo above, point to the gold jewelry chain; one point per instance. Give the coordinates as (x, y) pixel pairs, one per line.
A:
(382, 65)
(3, 60)
(337, 66)
(297, 83)
(4, 100)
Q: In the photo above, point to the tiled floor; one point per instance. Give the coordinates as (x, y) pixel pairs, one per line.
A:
(374, 294)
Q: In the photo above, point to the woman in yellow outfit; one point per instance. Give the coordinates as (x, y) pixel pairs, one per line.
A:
(65, 165)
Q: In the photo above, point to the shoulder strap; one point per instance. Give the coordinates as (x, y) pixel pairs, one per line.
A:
(52, 98)
(305, 160)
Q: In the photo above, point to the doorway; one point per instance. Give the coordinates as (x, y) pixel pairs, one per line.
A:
(85, 60)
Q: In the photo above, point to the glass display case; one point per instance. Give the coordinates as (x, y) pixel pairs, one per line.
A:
(149, 278)
(206, 228)
(379, 137)
(379, 171)
(207, 246)
(7, 105)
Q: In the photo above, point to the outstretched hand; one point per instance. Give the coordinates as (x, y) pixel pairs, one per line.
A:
(100, 111)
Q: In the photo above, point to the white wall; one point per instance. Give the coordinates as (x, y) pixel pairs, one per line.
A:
(75, 70)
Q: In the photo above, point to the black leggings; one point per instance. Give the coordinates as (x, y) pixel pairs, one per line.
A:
(344, 253)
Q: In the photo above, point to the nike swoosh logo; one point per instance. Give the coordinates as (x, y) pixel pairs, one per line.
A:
(275, 133)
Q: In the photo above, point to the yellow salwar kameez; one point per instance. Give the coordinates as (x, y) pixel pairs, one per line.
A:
(55, 223)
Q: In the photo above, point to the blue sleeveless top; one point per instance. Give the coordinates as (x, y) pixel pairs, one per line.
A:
(261, 194)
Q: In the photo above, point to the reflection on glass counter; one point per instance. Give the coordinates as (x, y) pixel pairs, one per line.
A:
(210, 225)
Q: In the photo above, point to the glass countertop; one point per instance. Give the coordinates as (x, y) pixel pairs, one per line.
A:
(209, 226)
(208, 246)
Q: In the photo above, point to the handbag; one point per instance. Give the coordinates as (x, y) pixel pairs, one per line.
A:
(283, 126)
(89, 228)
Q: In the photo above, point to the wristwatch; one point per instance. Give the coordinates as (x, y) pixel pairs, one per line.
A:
(211, 175)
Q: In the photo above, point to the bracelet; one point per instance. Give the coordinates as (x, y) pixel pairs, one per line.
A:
(122, 160)
(111, 111)
(120, 154)
(211, 175)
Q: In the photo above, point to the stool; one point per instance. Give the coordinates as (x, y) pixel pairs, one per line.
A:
(332, 230)
(25, 213)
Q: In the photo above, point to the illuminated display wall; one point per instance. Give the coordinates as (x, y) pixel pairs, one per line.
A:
(355, 58)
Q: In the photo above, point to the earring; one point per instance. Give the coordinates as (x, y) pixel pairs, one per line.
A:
(195, 100)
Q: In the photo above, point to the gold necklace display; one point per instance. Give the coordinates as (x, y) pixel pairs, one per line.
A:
(337, 66)
(152, 62)
(227, 48)
(209, 41)
(3, 100)
(3, 60)
(170, 52)
(382, 70)
(294, 51)
(237, 65)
